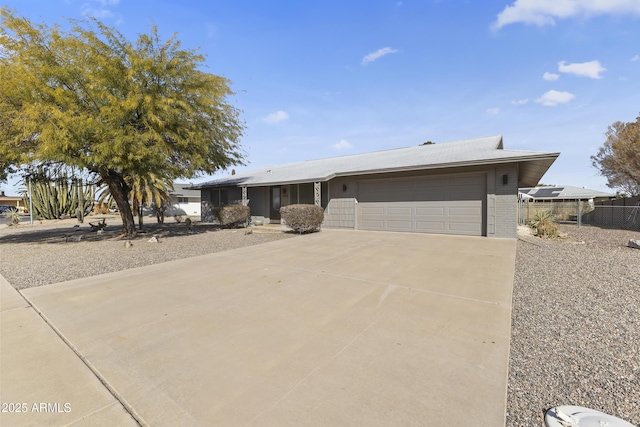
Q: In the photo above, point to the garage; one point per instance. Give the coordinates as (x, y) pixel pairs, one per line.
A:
(448, 204)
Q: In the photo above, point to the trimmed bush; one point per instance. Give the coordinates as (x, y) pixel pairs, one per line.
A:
(302, 218)
(232, 215)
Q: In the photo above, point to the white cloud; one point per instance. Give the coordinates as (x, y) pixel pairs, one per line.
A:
(277, 117)
(101, 11)
(520, 101)
(546, 12)
(342, 145)
(635, 58)
(590, 69)
(377, 55)
(492, 111)
(554, 97)
(551, 76)
(97, 13)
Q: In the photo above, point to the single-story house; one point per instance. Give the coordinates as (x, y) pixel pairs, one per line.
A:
(15, 201)
(184, 200)
(467, 187)
(564, 202)
(562, 193)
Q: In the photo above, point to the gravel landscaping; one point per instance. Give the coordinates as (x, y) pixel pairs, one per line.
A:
(575, 337)
(41, 254)
(575, 334)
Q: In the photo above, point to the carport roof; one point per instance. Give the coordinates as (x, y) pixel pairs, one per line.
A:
(563, 192)
(470, 152)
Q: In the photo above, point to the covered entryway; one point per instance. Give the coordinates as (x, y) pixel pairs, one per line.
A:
(452, 204)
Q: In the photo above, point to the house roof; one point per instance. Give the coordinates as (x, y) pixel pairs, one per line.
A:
(562, 192)
(470, 152)
(183, 190)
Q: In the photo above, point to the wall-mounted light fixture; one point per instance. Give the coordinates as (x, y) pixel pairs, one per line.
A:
(505, 179)
(344, 187)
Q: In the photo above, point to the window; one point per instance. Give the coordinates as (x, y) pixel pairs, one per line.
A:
(183, 200)
(305, 193)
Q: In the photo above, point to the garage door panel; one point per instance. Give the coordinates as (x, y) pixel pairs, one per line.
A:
(465, 228)
(429, 211)
(406, 211)
(430, 226)
(471, 211)
(395, 225)
(372, 210)
(450, 205)
(372, 224)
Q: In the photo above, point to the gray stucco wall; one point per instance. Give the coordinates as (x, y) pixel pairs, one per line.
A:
(506, 201)
(206, 212)
(340, 213)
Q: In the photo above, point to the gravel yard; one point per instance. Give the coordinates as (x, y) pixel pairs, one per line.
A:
(576, 302)
(575, 333)
(36, 255)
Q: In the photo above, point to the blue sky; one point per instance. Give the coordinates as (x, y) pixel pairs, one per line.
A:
(325, 78)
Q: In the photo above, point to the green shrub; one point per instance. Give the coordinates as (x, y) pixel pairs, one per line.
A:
(544, 224)
(232, 215)
(302, 218)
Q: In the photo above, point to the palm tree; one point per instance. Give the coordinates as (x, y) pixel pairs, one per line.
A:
(144, 191)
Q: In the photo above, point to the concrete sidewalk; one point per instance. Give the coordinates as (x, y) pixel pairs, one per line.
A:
(42, 381)
(332, 328)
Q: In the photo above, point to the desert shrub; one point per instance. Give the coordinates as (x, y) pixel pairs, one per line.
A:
(232, 215)
(544, 224)
(15, 217)
(100, 209)
(302, 218)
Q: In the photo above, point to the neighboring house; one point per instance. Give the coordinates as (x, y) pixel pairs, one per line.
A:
(466, 187)
(184, 201)
(562, 193)
(563, 202)
(15, 201)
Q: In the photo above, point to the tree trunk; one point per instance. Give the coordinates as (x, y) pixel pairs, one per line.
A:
(120, 192)
(80, 213)
(140, 215)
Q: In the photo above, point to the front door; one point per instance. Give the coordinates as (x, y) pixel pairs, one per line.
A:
(276, 202)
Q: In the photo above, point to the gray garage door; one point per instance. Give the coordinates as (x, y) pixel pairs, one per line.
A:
(447, 204)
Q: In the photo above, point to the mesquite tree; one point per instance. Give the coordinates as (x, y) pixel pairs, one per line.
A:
(618, 159)
(88, 98)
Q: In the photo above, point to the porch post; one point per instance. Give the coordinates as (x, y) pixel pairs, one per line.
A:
(244, 196)
(317, 195)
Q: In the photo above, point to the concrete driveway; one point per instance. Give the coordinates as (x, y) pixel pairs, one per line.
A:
(337, 328)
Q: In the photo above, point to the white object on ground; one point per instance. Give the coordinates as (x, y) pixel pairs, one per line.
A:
(577, 416)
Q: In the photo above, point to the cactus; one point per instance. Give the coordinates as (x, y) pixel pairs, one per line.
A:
(54, 195)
